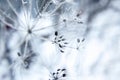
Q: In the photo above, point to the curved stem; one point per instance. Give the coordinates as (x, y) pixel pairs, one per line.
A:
(9, 3)
(25, 48)
(42, 38)
(9, 17)
(57, 8)
(47, 27)
(25, 13)
(8, 24)
(42, 4)
(46, 6)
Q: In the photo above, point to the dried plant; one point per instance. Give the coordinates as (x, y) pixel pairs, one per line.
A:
(26, 23)
(58, 75)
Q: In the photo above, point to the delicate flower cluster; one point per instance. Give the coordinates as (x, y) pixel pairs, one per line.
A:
(32, 21)
(60, 41)
(26, 59)
(60, 74)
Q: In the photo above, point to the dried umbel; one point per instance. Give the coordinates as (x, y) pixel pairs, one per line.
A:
(58, 75)
(79, 43)
(30, 22)
(31, 19)
(26, 60)
(60, 41)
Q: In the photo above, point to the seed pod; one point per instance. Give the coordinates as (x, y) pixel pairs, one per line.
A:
(64, 75)
(58, 69)
(83, 39)
(64, 20)
(63, 39)
(78, 40)
(78, 15)
(63, 69)
(56, 33)
(65, 43)
(59, 40)
(53, 73)
(19, 54)
(60, 46)
(62, 51)
(60, 36)
(80, 22)
(57, 73)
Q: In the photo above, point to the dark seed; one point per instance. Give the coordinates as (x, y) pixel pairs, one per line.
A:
(64, 20)
(78, 15)
(62, 51)
(55, 38)
(59, 40)
(29, 31)
(58, 69)
(19, 54)
(60, 36)
(83, 39)
(77, 48)
(80, 22)
(56, 78)
(64, 46)
(50, 3)
(57, 73)
(78, 40)
(53, 73)
(65, 43)
(56, 33)
(63, 39)
(60, 45)
(63, 69)
(64, 75)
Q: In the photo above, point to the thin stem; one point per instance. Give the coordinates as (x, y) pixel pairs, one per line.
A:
(47, 26)
(19, 44)
(9, 17)
(38, 14)
(24, 12)
(34, 10)
(36, 21)
(42, 28)
(30, 3)
(42, 38)
(57, 8)
(11, 65)
(42, 4)
(37, 9)
(9, 3)
(46, 6)
(6, 23)
(25, 48)
(78, 46)
(70, 47)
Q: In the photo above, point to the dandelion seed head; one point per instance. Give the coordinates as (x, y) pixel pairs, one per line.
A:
(24, 62)
(59, 74)
(33, 27)
(36, 26)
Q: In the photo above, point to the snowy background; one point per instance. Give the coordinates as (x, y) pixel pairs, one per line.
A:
(59, 39)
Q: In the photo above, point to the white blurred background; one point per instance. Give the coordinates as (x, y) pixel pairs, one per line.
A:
(98, 57)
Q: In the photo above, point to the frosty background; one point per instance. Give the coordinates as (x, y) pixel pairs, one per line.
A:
(59, 39)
